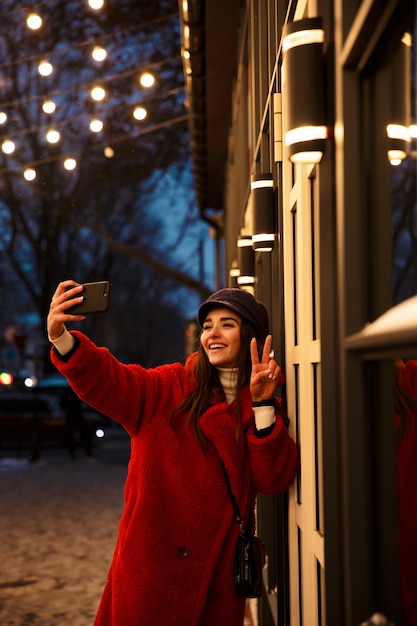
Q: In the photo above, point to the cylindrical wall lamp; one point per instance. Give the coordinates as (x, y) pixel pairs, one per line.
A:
(262, 192)
(304, 116)
(245, 261)
(398, 129)
(234, 272)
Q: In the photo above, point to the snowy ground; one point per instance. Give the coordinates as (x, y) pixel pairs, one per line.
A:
(58, 526)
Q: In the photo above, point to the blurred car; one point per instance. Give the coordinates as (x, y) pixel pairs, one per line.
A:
(55, 385)
(30, 416)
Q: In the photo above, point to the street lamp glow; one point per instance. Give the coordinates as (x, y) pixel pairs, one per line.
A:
(3, 117)
(95, 4)
(98, 94)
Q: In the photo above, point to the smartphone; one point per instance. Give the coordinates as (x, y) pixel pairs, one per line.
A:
(96, 299)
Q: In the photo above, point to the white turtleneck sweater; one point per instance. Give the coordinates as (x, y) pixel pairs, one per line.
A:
(264, 415)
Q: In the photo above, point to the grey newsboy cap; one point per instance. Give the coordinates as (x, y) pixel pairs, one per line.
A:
(242, 303)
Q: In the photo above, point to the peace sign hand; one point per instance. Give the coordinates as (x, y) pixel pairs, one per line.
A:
(266, 375)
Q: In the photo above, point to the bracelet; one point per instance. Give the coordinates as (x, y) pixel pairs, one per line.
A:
(268, 402)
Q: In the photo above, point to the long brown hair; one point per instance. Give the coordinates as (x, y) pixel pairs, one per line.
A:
(207, 384)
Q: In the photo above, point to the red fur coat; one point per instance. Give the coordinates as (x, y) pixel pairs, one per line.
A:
(173, 561)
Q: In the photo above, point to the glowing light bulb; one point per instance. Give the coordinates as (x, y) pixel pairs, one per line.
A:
(70, 164)
(8, 146)
(48, 106)
(98, 94)
(29, 174)
(96, 125)
(34, 21)
(147, 79)
(45, 68)
(53, 136)
(139, 113)
(98, 53)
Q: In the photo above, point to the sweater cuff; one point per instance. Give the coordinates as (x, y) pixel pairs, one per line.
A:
(264, 416)
(64, 344)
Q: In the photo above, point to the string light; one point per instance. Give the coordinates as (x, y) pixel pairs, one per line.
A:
(147, 79)
(98, 93)
(96, 4)
(8, 146)
(99, 53)
(53, 136)
(96, 125)
(139, 113)
(45, 68)
(107, 150)
(70, 164)
(29, 174)
(34, 21)
(49, 106)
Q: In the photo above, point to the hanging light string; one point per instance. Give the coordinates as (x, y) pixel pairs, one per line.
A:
(114, 140)
(106, 79)
(9, 150)
(84, 116)
(88, 42)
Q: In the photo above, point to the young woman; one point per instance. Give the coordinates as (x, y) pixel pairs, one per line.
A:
(173, 562)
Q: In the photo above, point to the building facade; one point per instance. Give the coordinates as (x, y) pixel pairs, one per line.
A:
(340, 279)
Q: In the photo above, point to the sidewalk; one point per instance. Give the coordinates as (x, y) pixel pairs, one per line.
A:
(58, 527)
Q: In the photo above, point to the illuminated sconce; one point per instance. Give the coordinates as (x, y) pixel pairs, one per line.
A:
(398, 130)
(305, 129)
(234, 272)
(262, 192)
(245, 261)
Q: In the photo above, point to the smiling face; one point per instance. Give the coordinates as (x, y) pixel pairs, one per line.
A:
(220, 338)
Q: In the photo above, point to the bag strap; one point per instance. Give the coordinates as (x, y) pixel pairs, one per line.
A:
(238, 518)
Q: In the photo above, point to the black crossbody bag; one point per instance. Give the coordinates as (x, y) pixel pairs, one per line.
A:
(248, 556)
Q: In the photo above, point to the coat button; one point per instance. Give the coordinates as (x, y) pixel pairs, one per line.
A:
(182, 552)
